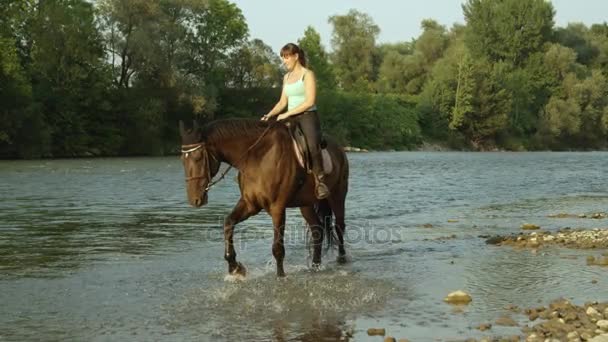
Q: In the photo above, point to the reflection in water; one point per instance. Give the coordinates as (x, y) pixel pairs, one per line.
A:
(108, 249)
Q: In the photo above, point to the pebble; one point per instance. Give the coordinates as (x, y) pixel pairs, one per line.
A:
(506, 321)
(458, 297)
(376, 331)
(484, 326)
(529, 226)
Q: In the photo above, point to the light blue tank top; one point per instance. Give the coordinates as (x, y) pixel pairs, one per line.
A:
(296, 93)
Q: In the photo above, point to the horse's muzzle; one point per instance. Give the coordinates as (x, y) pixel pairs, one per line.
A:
(201, 201)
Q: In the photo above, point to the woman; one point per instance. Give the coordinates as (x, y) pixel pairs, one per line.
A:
(299, 95)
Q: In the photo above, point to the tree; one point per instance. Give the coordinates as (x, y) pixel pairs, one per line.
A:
(254, 65)
(576, 36)
(318, 58)
(507, 30)
(353, 41)
(67, 71)
(465, 87)
(15, 96)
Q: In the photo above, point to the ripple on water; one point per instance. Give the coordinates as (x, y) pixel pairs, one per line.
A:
(265, 302)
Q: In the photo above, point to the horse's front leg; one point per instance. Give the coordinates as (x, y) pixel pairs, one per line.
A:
(241, 212)
(278, 248)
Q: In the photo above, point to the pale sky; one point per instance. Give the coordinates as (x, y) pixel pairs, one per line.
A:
(278, 22)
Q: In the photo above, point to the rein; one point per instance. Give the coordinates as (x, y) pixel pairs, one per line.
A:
(193, 147)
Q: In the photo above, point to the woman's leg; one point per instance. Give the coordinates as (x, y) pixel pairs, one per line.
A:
(311, 127)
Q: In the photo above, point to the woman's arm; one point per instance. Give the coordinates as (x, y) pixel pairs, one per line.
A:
(310, 87)
(279, 106)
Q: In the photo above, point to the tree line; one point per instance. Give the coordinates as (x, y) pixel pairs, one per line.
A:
(114, 77)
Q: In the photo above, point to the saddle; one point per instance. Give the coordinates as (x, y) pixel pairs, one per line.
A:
(303, 155)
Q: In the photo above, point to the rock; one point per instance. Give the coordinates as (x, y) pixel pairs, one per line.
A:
(602, 324)
(495, 240)
(534, 338)
(376, 331)
(427, 225)
(512, 307)
(573, 336)
(593, 313)
(458, 297)
(533, 315)
(484, 327)
(600, 338)
(529, 226)
(506, 321)
(452, 221)
(389, 339)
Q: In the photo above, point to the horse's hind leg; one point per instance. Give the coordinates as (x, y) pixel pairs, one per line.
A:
(241, 212)
(336, 203)
(316, 230)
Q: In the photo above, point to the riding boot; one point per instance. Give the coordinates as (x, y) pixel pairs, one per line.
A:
(321, 189)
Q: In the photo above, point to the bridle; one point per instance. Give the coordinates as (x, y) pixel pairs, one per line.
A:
(187, 149)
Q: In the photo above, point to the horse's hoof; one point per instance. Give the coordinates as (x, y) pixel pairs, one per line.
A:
(240, 270)
(342, 259)
(316, 267)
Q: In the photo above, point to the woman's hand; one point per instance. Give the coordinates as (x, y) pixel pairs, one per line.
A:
(282, 117)
(265, 117)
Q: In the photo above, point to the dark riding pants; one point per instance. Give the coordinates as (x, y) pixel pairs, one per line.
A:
(311, 127)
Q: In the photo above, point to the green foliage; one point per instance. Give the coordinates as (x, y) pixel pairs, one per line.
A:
(353, 42)
(253, 65)
(465, 91)
(318, 59)
(370, 121)
(507, 30)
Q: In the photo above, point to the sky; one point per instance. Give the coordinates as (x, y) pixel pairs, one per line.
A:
(278, 22)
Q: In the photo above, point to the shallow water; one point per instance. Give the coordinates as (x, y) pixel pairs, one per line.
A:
(107, 249)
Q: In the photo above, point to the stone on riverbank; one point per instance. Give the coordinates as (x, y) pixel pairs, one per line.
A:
(529, 226)
(376, 331)
(570, 238)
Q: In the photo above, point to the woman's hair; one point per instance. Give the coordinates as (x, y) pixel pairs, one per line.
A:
(291, 49)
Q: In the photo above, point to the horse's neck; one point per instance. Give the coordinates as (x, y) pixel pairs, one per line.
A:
(236, 152)
(233, 151)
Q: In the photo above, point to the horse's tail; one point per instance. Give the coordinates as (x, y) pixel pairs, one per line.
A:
(325, 215)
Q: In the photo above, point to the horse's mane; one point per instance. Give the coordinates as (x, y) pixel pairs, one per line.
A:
(230, 128)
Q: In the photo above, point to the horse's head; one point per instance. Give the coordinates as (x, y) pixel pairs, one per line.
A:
(200, 165)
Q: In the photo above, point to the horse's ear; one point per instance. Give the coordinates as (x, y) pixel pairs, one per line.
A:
(182, 129)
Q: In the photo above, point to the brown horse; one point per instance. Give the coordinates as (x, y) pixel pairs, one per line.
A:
(269, 178)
